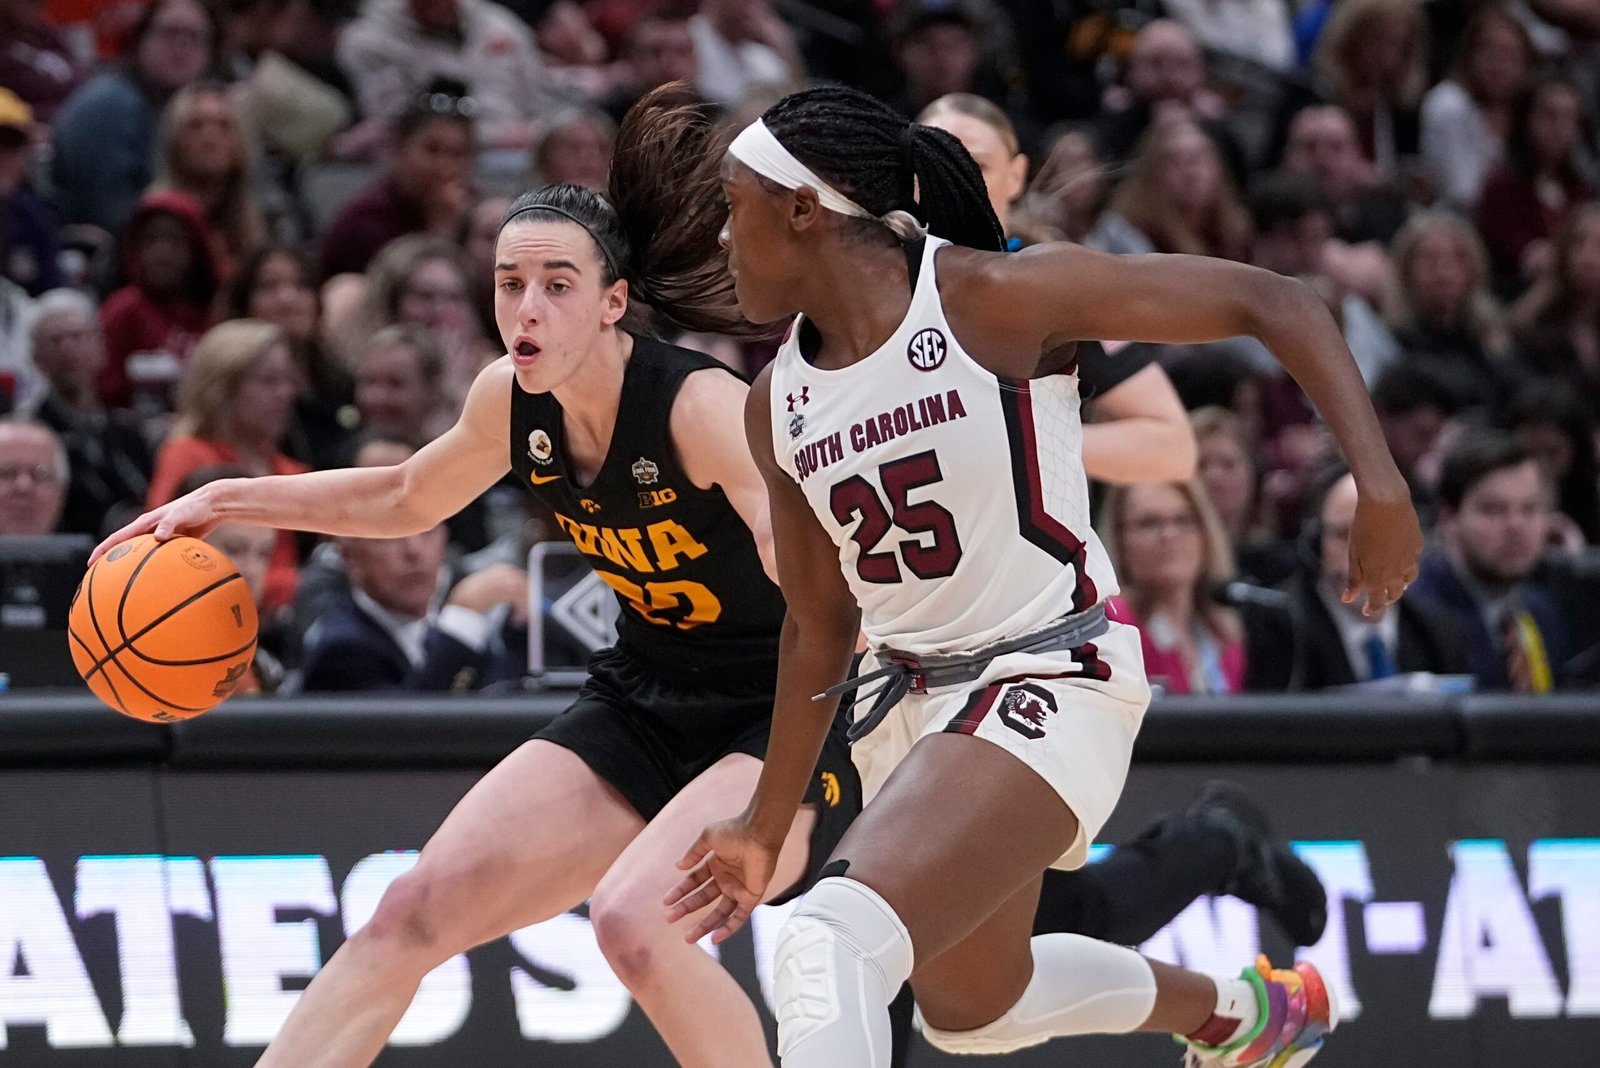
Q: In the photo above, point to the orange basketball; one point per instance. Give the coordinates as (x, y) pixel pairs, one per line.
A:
(163, 631)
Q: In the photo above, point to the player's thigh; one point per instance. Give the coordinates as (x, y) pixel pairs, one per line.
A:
(639, 880)
(958, 829)
(529, 841)
(976, 980)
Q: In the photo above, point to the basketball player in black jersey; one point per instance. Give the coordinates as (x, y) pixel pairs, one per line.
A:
(638, 447)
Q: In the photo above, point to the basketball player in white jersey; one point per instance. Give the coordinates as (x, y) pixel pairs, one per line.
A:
(926, 487)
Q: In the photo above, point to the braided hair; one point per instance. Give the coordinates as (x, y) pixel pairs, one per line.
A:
(658, 223)
(875, 157)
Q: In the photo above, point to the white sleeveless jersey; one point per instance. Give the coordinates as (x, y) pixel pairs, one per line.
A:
(957, 498)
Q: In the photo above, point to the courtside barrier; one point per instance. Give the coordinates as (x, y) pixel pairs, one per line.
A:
(165, 892)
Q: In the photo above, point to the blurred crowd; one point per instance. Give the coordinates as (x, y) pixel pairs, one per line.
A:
(243, 237)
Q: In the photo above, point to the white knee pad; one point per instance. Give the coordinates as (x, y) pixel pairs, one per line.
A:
(840, 960)
(1079, 987)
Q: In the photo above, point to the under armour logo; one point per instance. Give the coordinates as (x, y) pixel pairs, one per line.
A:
(803, 398)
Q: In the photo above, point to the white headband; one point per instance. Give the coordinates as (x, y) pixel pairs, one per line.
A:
(758, 149)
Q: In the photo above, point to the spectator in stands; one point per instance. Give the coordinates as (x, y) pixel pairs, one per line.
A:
(1169, 551)
(1179, 195)
(1494, 524)
(1529, 194)
(1372, 56)
(1442, 312)
(165, 306)
(423, 281)
(388, 631)
(110, 458)
(274, 285)
(37, 62)
(1415, 403)
(1256, 30)
(740, 45)
(1293, 224)
(105, 134)
(936, 49)
(1071, 191)
(235, 404)
(1166, 75)
(1558, 428)
(1465, 118)
(1323, 145)
(399, 394)
(29, 249)
(250, 548)
(396, 49)
(477, 245)
(1558, 319)
(1232, 478)
(203, 151)
(427, 187)
(1321, 641)
(33, 477)
(575, 53)
(660, 49)
(575, 148)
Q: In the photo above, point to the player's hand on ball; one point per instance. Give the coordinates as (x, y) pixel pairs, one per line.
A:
(729, 869)
(1385, 541)
(192, 516)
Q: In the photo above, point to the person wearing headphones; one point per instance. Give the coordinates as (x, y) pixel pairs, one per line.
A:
(1337, 644)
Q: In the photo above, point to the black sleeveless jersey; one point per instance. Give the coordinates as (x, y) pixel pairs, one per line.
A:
(696, 604)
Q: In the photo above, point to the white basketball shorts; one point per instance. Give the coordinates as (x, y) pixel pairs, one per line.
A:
(1070, 715)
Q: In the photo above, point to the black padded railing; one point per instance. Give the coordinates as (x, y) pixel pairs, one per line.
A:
(407, 730)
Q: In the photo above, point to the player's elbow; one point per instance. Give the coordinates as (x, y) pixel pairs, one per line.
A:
(1270, 303)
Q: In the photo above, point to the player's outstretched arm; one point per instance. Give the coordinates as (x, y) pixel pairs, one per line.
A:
(443, 477)
(732, 862)
(1054, 292)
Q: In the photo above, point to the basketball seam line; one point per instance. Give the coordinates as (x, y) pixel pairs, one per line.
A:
(129, 639)
(94, 621)
(121, 602)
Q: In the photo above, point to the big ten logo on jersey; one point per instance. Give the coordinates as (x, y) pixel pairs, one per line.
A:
(926, 349)
(658, 548)
(656, 498)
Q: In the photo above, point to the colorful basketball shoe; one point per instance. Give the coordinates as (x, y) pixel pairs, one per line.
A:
(1297, 1012)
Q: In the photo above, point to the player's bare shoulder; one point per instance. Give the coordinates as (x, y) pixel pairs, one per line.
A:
(1000, 318)
(707, 425)
(487, 410)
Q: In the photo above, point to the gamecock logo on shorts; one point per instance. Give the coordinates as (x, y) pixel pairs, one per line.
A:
(1026, 709)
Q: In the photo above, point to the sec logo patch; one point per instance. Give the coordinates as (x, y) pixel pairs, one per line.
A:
(926, 349)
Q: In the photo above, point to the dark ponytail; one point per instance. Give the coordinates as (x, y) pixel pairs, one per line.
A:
(873, 156)
(659, 227)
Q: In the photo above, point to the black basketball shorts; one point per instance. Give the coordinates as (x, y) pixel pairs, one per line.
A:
(650, 738)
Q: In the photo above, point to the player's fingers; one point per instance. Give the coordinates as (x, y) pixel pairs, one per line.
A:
(693, 901)
(712, 920)
(731, 926)
(1352, 586)
(687, 885)
(696, 853)
(142, 525)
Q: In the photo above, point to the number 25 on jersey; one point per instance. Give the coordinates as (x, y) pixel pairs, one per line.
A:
(856, 497)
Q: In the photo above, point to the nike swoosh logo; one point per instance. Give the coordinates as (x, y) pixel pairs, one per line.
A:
(533, 476)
